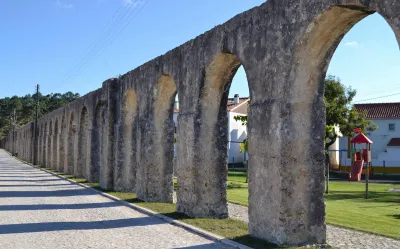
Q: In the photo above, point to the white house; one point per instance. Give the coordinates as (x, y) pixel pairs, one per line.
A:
(237, 131)
(386, 139)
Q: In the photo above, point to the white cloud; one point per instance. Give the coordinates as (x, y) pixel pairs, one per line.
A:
(131, 2)
(64, 5)
(351, 44)
(127, 2)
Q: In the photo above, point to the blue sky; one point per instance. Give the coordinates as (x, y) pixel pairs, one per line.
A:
(45, 42)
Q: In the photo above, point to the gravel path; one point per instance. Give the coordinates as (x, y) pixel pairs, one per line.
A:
(39, 210)
(336, 237)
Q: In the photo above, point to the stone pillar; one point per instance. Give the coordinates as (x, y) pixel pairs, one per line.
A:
(31, 142)
(96, 144)
(49, 148)
(155, 174)
(125, 151)
(286, 127)
(203, 136)
(71, 144)
(201, 168)
(83, 145)
(40, 143)
(56, 159)
(63, 144)
(44, 145)
(108, 144)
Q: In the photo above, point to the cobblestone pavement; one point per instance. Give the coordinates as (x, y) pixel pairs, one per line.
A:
(39, 210)
(337, 237)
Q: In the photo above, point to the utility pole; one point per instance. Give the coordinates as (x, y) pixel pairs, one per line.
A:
(36, 130)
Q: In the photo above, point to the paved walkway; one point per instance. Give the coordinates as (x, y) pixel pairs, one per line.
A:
(39, 210)
(336, 237)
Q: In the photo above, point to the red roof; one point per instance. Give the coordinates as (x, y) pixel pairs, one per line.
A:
(394, 142)
(361, 139)
(379, 110)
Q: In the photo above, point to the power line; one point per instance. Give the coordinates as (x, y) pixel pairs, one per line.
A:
(119, 30)
(390, 95)
(95, 41)
(104, 40)
(107, 30)
(108, 40)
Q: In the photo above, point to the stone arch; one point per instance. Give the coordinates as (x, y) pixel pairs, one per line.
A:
(318, 44)
(56, 159)
(49, 149)
(83, 144)
(96, 145)
(71, 156)
(125, 170)
(62, 146)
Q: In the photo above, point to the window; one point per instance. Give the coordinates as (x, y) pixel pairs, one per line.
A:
(392, 127)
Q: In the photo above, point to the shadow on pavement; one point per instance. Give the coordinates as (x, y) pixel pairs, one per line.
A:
(35, 185)
(79, 225)
(44, 180)
(26, 175)
(59, 206)
(56, 193)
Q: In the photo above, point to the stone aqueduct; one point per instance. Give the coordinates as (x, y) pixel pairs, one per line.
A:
(122, 134)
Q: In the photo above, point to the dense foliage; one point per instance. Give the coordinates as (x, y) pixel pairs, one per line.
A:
(25, 108)
(340, 113)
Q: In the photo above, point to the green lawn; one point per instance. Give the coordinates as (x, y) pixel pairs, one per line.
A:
(345, 205)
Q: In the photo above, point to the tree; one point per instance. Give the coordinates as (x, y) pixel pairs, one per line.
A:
(25, 108)
(340, 113)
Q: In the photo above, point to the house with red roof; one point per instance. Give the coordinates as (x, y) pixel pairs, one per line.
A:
(237, 131)
(386, 139)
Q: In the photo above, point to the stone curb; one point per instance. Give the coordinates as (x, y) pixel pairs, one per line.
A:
(146, 211)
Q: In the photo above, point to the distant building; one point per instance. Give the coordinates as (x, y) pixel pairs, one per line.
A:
(237, 131)
(386, 139)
